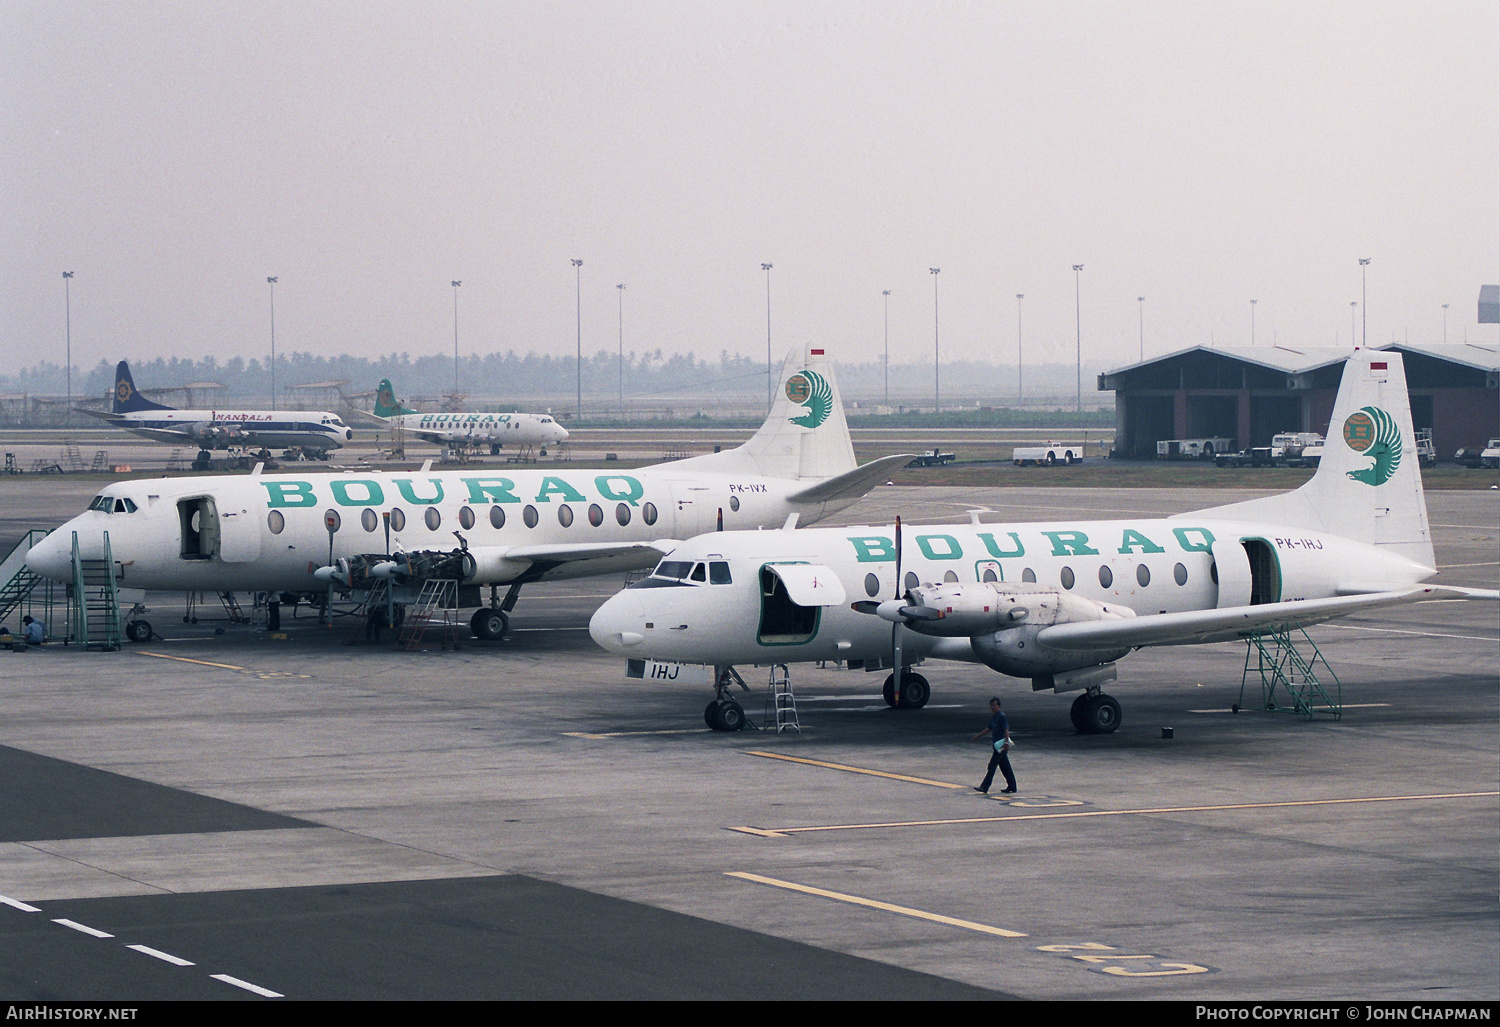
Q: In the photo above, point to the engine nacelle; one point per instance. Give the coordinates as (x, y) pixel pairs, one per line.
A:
(1002, 622)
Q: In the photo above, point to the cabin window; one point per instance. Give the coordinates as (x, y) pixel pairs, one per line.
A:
(950, 576)
(565, 515)
(596, 514)
(1179, 574)
(911, 581)
(1106, 576)
(275, 521)
(398, 519)
(872, 585)
(368, 519)
(1142, 574)
(990, 575)
(1029, 576)
(497, 516)
(622, 513)
(1068, 581)
(529, 515)
(648, 513)
(465, 517)
(734, 503)
(433, 518)
(718, 573)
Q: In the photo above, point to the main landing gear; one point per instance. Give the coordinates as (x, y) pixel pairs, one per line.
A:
(490, 623)
(915, 691)
(1094, 713)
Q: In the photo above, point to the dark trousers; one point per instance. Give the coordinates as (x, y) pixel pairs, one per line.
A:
(1001, 760)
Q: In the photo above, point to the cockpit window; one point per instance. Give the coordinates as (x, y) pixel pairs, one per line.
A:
(124, 506)
(699, 574)
(673, 569)
(718, 573)
(110, 504)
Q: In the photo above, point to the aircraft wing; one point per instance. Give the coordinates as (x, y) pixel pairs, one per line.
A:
(168, 435)
(557, 552)
(1227, 625)
(851, 483)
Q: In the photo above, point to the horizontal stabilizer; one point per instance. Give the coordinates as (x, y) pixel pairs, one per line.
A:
(851, 484)
(1200, 626)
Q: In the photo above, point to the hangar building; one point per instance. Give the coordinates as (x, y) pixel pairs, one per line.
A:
(1250, 393)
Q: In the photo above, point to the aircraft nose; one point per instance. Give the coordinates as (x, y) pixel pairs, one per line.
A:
(50, 558)
(615, 627)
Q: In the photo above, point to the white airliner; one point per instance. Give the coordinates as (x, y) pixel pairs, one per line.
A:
(494, 430)
(299, 533)
(1055, 602)
(315, 431)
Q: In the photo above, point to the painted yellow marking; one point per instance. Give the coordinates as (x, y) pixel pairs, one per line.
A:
(887, 907)
(853, 770)
(1283, 709)
(782, 832)
(184, 659)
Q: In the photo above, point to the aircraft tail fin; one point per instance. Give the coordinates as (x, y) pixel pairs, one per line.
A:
(386, 403)
(1368, 485)
(805, 434)
(127, 400)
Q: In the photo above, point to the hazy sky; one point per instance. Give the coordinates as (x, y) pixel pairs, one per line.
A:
(1199, 154)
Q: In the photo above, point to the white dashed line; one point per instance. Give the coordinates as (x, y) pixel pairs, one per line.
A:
(18, 904)
(257, 989)
(84, 928)
(159, 954)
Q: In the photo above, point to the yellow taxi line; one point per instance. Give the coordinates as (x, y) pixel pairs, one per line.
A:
(887, 907)
(184, 659)
(853, 770)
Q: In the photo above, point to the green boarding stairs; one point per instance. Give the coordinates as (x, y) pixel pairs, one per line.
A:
(96, 600)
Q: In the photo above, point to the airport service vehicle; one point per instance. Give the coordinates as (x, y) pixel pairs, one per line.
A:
(1046, 454)
(310, 533)
(931, 458)
(314, 432)
(1192, 449)
(1287, 449)
(517, 430)
(1487, 455)
(1060, 602)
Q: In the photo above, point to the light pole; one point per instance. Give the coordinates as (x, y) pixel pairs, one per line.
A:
(1364, 299)
(578, 310)
(767, 269)
(887, 294)
(272, 283)
(68, 332)
(621, 288)
(1142, 301)
(1020, 362)
(937, 396)
(1445, 324)
(455, 342)
(1078, 325)
(1353, 332)
(1252, 323)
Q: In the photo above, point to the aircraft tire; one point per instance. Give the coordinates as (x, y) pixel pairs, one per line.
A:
(138, 631)
(915, 691)
(1101, 715)
(711, 715)
(1078, 713)
(731, 715)
(889, 691)
(489, 624)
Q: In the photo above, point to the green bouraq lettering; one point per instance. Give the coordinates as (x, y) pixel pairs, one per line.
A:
(374, 494)
(1202, 543)
(1070, 543)
(409, 492)
(491, 490)
(1133, 539)
(557, 487)
(873, 548)
(289, 493)
(633, 490)
(951, 550)
(989, 543)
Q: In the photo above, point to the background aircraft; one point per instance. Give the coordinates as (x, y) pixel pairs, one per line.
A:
(304, 533)
(494, 430)
(1057, 602)
(315, 431)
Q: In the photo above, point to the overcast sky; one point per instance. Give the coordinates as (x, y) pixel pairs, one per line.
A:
(173, 155)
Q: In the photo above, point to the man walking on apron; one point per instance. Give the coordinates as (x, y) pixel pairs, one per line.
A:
(999, 732)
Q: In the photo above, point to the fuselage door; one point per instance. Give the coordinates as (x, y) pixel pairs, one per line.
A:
(1231, 571)
(239, 532)
(792, 596)
(198, 527)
